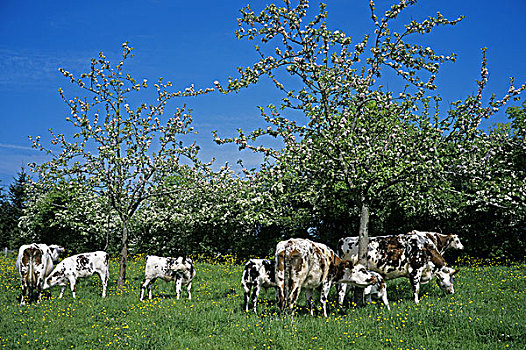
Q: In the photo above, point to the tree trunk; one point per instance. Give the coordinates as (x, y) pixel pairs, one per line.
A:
(124, 255)
(363, 242)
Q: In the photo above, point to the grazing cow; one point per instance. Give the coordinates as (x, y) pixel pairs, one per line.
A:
(34, 263)
(376, 291)
(442, 242)
(445, 277)
(257, 273)
(80, 265)
(179, 269)
(412, 256)
(301, 263)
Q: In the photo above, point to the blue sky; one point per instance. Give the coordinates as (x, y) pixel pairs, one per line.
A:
(193, 42)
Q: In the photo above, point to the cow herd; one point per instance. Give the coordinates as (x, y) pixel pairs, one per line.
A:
(303, 264)
(299, 264)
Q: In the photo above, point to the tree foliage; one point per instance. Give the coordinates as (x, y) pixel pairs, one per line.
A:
(12, 205)
(119, 152)
(353, 135)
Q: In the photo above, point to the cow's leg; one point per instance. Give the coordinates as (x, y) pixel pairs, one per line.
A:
(72, 285)
(280, 280)
(342, 292)
(24, 291)
(384, 299)
(178, 286)
(255, 295)
(246, 296)
(280, 295)
(294, 293)
(38, 288)
(416, 290)
(189, 290)
(368, 298)
(150, 284)
(62, 289)
(309, 295)
(104, 279)
(415, 276)
(144, 285)
(323, 296)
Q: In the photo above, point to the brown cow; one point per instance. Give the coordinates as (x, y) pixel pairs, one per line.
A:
(301, 263)
(34, 263)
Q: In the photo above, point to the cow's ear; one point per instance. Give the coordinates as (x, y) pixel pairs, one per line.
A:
(454, 272)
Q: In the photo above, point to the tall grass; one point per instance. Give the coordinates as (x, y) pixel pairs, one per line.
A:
(486, 312)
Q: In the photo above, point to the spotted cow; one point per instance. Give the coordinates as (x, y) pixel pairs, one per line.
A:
(169, 269)
(413, 256)
(376, 291)
(443, 242)
(34, 263)
(256, 274)
(301, 263)
(77, 266)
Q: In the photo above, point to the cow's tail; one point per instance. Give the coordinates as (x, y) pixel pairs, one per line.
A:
(292, 260)
(281, 279)
(32, 275)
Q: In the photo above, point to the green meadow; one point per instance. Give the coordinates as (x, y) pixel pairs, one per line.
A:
(486, 312)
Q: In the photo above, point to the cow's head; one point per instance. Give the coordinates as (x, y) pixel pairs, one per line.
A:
(445, 278)
(454, 242)
(56, 277)
(357, 275)
(178, 269)
(55, 250)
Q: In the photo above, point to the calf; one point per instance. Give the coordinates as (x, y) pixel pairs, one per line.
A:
(179, 269)
(257, 273)
(376, 291)
(80, 265)
(413, 256)
(34, 263)
(442, 242)
(301, 263)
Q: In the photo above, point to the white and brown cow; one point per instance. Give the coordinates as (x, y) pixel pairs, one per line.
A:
(443, 242)
(301, 263)
(376, 291)
(413, 256)
(256, 274)
(34, 263)
(169, 269)
(77, 266)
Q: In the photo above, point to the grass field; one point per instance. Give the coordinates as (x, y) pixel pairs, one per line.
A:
(487, 312)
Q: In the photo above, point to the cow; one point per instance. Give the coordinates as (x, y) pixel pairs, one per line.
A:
(77, 266)
(34, 263)
(302, 263)
(256, 274)
(442, 241)
(376, 291)
(179, 269)
(413, 256)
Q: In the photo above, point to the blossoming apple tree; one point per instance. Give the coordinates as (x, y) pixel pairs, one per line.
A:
(342, 128)
(120, 152)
